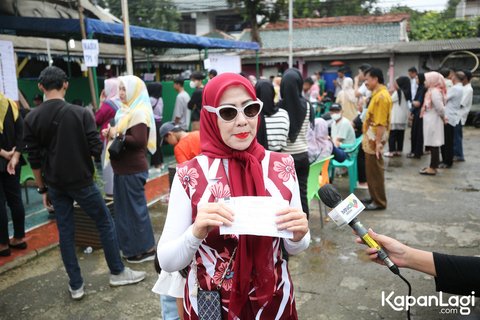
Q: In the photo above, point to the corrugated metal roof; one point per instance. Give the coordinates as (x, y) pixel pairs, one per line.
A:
(327, 37)
(377, 50)
(185, 6)
(437, 45)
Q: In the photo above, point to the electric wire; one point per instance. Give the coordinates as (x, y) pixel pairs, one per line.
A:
(409, 293)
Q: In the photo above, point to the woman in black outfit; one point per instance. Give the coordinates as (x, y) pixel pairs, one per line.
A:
(417, 122)
(302, 117)
(155, 93)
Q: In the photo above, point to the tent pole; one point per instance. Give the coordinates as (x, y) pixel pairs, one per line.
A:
(126, 34)
(257, 64)
(290, 33)
(199, 60)
(69, 67)
(133, 60)
(95, 79)
(90, 73)
(149, 65)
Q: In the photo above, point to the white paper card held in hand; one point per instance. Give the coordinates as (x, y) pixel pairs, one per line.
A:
(256, 216)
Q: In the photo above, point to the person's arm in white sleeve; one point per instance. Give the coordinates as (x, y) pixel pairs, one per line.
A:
(177, 244)
(293, 247)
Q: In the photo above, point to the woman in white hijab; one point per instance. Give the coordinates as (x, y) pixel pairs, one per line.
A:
(346, 98)
(135, 124)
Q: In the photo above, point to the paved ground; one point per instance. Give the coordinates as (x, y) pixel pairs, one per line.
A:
(332, 278)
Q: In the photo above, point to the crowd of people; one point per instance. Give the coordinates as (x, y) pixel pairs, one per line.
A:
(235, 136)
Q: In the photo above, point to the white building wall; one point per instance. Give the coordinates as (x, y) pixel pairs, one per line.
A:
(405, 62)
(468, 9)
(205, 23)
(269, 71)
(472, 9)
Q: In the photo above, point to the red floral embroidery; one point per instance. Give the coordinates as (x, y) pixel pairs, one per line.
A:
(217, 276)
(220, 191)
(285, 169)
(188, 177)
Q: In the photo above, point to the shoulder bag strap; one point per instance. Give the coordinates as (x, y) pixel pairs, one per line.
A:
(52, 132)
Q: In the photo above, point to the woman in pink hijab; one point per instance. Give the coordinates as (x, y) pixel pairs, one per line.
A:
(433, 114)
(108, 109)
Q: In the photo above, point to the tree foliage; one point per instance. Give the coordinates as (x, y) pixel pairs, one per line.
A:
(433, 25)
(332, 8)
(258, 12)
(451, 9)
(157, 14)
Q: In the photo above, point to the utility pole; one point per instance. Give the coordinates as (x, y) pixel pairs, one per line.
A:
(90, 73)
(126, 34)
(290, 33)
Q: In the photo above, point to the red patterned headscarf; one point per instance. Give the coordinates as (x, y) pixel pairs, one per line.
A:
(254, 257)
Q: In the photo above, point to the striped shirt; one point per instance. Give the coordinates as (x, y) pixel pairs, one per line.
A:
(300, 145)
(277, 126)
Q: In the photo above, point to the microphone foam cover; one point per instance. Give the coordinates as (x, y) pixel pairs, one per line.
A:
(330, 195)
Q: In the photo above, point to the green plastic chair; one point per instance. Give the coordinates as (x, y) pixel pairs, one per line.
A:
(26, 174)
(317, 175)
(350, 163)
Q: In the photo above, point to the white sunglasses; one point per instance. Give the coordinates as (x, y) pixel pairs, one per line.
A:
(228, 113)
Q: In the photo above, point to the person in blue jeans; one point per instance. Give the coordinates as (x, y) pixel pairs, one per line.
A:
(61, 140)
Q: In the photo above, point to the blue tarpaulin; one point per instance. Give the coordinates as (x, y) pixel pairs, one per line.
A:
(113, 33)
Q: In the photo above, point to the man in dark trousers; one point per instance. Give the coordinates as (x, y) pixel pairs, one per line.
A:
(375, 135)
(61, 140)
(11, 131)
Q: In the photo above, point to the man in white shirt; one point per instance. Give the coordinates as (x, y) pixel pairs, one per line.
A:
(339, 81)
(363, 94)
(465, 107)
(342, 129)
(361, 91)
(412, 73)
(180, 112)
(452, 119)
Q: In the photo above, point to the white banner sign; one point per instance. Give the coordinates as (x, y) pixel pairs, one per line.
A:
(90, 52)
(223, 63)
(8, 73)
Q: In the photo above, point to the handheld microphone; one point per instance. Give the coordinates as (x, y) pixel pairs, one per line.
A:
(346, 212)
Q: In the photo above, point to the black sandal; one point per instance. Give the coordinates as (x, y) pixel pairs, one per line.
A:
(19, 246)
(5, 252)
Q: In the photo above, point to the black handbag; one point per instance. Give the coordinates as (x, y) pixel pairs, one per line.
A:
(209, 305)
(209, 301)
(116, 148)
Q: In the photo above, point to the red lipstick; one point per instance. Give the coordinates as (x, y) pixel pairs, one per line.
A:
(243, 135)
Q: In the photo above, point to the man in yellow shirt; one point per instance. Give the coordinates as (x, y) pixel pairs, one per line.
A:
(375, 135)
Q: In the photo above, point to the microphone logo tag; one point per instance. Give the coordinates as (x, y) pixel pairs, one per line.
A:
(347, 210)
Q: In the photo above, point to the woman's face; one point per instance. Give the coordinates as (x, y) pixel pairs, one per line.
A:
(239, 133)
(122, 92)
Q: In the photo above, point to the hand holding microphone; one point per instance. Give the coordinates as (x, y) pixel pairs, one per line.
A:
(397, 251)
(346, 212)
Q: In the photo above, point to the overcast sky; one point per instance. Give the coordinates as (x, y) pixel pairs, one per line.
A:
(420, 5)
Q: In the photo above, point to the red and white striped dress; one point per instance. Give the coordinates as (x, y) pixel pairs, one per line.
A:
(201, 180)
